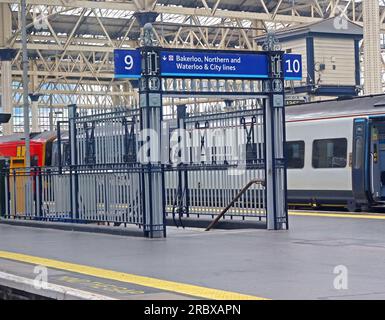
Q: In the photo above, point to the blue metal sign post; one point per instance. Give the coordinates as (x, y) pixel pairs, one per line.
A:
(263, 74)
(150, 93)
(276, 174)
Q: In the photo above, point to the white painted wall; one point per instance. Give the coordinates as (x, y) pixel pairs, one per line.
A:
(338, 52)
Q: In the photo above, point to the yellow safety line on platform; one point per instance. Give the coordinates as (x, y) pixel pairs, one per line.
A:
(186, 289)
(295, 213)
(337, 215)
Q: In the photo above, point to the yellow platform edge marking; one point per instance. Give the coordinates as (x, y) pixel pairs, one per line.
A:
(186, 289)
(336, 215)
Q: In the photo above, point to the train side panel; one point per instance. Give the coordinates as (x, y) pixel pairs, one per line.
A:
(327, 181)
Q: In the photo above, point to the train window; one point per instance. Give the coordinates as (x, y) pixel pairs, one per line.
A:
(55, 154)
(35, 161)
(295, 154)
(330, 153)
(18, 161)
(66, 157)
(48, 153)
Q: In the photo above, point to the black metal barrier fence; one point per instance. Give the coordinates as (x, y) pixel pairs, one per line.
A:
(225, 151)
(110, 196)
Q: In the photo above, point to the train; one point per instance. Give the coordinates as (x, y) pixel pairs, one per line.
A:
(335, 153)
(43, 149)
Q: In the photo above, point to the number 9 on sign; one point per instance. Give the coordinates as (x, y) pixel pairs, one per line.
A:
(129, 61)
(127, 64)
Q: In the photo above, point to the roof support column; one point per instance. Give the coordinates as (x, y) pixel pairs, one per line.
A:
(6, 68)
(34, 85)
(35, 112)
(372, 58)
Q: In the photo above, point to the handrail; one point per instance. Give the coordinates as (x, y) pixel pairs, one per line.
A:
(245, 188)
(372, 173)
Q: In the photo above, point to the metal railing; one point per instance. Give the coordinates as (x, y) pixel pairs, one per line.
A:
(230, 149)
(234, 201)
(107, 138)
(208, 190)
(105, 182)
(101, 195)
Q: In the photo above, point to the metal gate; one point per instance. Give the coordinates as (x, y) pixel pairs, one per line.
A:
(225, 152)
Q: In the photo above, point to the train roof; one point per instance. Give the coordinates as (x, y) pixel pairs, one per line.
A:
(64, 135)
(12, 137)
(45, 136)
(342, 107)
(35, 137)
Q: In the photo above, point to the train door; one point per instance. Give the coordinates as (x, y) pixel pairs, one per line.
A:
(3, 166)
(18, 181)
(377, 159)
(360, 159)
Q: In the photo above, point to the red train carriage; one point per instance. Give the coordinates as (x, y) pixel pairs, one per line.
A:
(12, 147)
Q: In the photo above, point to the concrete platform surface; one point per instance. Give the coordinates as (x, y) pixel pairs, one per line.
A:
(320, 257)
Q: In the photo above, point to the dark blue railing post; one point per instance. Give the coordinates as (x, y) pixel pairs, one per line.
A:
(150, 91)
(59, 148)
(183, 190)
(276, 195)
(3, 188)
(74, 188)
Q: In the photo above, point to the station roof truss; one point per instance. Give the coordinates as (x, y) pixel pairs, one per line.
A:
(71, 42)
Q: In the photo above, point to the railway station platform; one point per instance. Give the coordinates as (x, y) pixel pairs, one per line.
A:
(194, 264)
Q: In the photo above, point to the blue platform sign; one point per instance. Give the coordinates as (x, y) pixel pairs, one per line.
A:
(127, 64)
(206, 64)
(293, 66)
(210, 64)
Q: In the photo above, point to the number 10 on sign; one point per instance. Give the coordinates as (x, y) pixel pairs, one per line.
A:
(293, 66)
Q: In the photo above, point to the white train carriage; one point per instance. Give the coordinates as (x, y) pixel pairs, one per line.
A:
(336, 153)
(335, 156)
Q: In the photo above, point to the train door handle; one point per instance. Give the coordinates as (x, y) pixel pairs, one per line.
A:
(372, 172)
